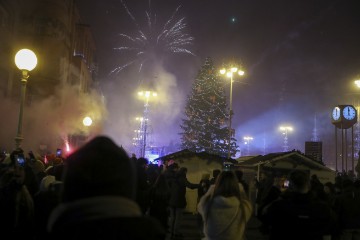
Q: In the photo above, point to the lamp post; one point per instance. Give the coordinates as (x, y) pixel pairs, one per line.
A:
(26, 61)
(285, 130)
(138, 139)
(146, 95)
(229, 73)
(247, 140)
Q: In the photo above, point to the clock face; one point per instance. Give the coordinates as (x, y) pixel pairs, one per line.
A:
(336, 113)
(349, 112)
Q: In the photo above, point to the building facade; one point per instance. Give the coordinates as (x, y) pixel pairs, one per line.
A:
(63, 44)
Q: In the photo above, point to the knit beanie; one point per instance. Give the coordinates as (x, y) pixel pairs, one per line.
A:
(99, 168)
(38, 166)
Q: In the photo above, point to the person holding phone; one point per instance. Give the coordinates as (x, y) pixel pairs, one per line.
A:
(297, 214)
(58, 152)
(19, 160)
(16, 203)
(225, 209)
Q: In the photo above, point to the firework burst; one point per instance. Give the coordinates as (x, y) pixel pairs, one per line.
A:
(154, 41)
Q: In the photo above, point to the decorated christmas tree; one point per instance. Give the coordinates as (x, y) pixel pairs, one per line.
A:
(205, 126)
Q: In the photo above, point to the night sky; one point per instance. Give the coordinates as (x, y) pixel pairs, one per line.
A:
(300, 57)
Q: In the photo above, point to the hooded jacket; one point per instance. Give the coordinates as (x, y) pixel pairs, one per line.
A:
(98, 197)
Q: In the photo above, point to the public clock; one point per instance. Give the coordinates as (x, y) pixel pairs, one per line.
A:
(344, 116)
(336, 113)
(349, 112)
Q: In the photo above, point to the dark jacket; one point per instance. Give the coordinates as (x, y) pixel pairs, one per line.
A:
(204, 186)
(299, 216)
(178, 190)
(103, 218)
(143, 189)
(347, 206)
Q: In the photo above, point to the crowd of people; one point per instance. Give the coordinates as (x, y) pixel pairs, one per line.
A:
(307, 209)
(99, 192)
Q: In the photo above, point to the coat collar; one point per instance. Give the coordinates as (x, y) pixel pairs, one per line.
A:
(95, 208)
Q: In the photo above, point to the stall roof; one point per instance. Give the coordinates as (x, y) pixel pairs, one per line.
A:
(188, 154)
(294, 156)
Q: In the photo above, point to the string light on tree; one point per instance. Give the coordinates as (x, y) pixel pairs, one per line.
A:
(204, 125)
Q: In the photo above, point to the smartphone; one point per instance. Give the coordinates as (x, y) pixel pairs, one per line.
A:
(58, 152)
(20, 159)
(32, 156)
(286, 183)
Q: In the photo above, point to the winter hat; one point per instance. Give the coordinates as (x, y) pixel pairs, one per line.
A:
(38, 166)
(45, 182)
(99, 168)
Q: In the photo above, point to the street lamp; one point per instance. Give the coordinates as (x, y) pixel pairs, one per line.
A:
(26, 61)
(87, 121)
(146, 95)
(357, 83)
(285, 130)
(229, 73)
(247, 140)
(138, 139)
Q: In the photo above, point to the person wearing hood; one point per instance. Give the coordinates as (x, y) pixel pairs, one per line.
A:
(225, 209)
(98, 197)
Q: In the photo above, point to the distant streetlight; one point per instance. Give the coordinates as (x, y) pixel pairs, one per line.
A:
(229, 73)
(247, 140)
(146, 95)
(26, 61)
(285, 130)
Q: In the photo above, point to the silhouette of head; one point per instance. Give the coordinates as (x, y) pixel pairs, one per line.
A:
(99, 168)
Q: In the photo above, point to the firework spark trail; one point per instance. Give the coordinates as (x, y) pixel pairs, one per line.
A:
(153, 42)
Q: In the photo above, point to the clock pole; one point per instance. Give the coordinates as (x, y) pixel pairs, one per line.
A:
(336, 150)
(352, 149)
(342, 149)
(343, 118)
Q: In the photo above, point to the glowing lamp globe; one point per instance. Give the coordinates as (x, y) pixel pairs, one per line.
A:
(87, 121)
(25, 59)
(357, 83)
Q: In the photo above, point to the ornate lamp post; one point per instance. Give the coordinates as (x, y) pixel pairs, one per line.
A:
(26, 61)
(229, 73)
